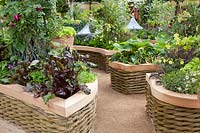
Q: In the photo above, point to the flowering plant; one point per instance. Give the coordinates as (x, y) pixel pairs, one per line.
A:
(185, 80)
(30, 25)
(181, 65)
(179, 52)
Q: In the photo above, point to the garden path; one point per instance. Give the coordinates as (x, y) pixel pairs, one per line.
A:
(116, 112)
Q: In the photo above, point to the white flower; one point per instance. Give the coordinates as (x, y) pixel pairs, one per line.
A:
(186, 77)
(179, 88)
(194, 80)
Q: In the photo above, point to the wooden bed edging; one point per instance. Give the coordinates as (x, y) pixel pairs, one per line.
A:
(98, 56)
(93, 49)
(62, 107)
(133, 68)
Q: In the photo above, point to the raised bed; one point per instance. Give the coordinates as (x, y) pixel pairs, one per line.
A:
(98, 56)
(172, 112)
(130, 79)
(73, 115)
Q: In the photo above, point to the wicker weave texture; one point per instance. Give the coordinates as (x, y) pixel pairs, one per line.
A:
(128, 82)
(33, 119)
(168, 118)
(97, 58)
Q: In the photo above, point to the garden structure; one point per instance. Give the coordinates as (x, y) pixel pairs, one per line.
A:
(130, 79)
(171, 111)
(99, 56)
(49, 51)
(75, 114)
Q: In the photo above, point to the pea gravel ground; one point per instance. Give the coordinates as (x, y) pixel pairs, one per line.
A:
(116, 112)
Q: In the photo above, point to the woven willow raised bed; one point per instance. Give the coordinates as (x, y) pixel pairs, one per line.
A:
(172, 112)
(73, 115)
(98, 56)
(130, 79)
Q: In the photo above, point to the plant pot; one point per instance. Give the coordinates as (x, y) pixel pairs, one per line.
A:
(98, 56)
(73, 115)
(129, 79)
(64, 41)
(172, 112)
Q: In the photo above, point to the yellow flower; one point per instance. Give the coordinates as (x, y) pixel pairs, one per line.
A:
(181, 62)
(167, 46)
(170, 62)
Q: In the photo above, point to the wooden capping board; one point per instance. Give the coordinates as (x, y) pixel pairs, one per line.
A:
(93, 49)
(134, 68)
(63, 107)
(174, 98)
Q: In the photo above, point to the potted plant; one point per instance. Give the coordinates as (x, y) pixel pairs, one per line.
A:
(64, 37)
(172, 96)
(129, 65)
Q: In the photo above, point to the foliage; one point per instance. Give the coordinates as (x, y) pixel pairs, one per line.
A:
(66, 31)
(136, 51)
(179, 52)
(110, 21)
(62, 7)
(182, 81)
(30, 25)
(58, 75)
(187, 23)
(193, 65)
(86, 0)
(4, 54)
(4, 72)
(161, 14)
(85, 76)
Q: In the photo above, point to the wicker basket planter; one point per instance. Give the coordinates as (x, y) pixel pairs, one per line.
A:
(172, 112)
(98, 56)
(73, 115)
(64, 41)
(130, 79)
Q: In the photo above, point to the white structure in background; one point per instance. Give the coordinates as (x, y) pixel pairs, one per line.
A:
(133, 25)
(85, 30)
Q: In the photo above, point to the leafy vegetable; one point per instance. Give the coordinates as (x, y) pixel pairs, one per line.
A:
(136, 51)
(62, 74)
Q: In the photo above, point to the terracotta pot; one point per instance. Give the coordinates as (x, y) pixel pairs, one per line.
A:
(129, 79)
(172, 112)
(64, 41)
(75, 114)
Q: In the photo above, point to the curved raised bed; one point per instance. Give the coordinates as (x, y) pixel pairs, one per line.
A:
(172, 112)
(98, 56)
(130, 79)
(73, 115)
